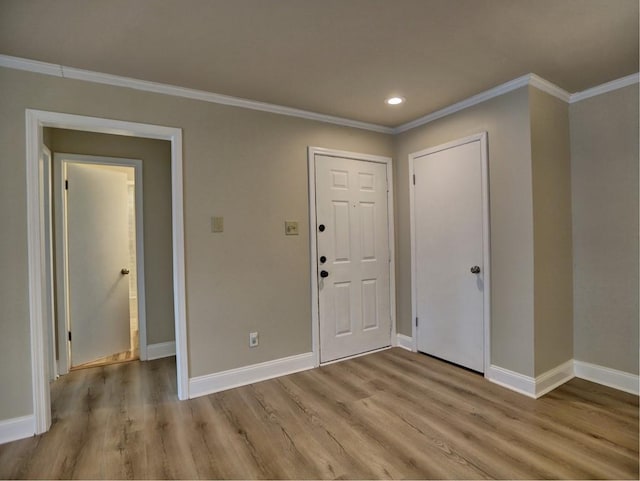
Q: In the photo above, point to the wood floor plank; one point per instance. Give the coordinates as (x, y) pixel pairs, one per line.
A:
(545, 436)
(388, 415)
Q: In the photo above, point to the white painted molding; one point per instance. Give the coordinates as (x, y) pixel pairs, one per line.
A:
(159, 88)
(18, 63)
(35, 121)
(512, 380)
(548, 87)
(160, 350)
(529, 79)
(553, 378)
(469, 102)
(17, 428)
(221, 381)
(534, 80)
(606, 87)
(621, 380)
(35, 253)
(527, 385)
(405, 342)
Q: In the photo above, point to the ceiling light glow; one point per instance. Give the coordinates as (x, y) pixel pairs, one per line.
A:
(394, 100)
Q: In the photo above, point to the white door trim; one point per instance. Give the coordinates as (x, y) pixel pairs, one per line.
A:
(36, 120)
(486, 250)
(315, 313)
(47, 245)
(62, 250)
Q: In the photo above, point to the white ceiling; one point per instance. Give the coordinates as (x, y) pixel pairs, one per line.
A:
(336, 57)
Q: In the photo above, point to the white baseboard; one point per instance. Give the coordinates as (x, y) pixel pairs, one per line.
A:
(221, 381)
(512, 380)
(553, 378)
(542, 384)
(530, 386)
(17, 428)
(162, 349)
(621, 380)
(405, 342)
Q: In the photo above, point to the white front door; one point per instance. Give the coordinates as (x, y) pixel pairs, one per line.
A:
(448, 253)
(352, 256)
(98, 260)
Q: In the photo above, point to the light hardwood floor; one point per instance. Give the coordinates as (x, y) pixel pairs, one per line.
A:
(392, 414)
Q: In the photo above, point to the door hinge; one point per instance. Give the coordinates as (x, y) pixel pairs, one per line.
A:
(414, 179)
(69, 336)
(416, 322)
(66, 185)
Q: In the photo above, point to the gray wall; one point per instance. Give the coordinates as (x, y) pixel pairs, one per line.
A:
(553, 275)
(251, 168)
(156, 190)
(506, 119)
(604, 164)
(248, 166)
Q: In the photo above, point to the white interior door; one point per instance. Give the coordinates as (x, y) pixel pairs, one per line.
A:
(98, 251)
(353, 256)
(448, 243)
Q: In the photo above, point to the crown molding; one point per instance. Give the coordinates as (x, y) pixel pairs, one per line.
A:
(529, 79)
(532, 80)
(634, 78)
(18, 63)
(548, 87)
(469, 102)
(144, 85)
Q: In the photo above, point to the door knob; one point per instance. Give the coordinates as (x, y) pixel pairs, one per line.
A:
(475, 270)
(321, 227)
(124, 271)
(324, 274)
(323, 259)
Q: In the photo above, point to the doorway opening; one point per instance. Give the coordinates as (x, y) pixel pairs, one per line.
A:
(100, 276)
(38, 244)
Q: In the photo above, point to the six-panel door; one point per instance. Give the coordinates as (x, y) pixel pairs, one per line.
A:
(352, 222)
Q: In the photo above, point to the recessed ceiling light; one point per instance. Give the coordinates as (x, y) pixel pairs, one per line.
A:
(394, 100)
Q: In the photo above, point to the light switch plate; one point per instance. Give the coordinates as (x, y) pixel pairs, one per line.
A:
(291, 227)
(217, 224)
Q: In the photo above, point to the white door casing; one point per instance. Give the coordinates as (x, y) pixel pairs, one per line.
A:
(354, 299)
(46, 225)
(97, 244)
(450, 236)
(36, 121)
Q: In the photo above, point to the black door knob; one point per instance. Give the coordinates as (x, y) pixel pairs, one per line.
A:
(475, 270)
(321, 227)
(324, 274)
(323, 259)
